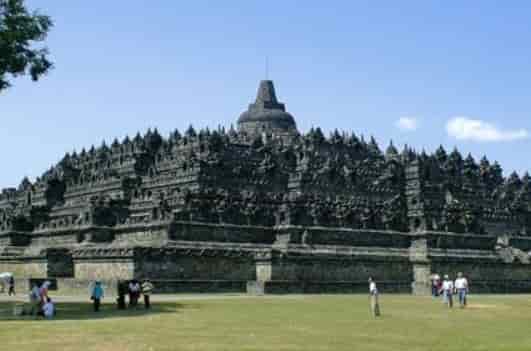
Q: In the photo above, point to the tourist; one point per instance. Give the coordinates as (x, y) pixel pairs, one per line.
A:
(11, 286)
(137, 289)
(435, 284)
(43, 297)
(43, 292)
(461, 287)
(97, 295)
(134, 293)
(130, 288)
(147, 289)
(447, 291)
(373, 295)
(35, 299)
(122, 291)
(48, 309)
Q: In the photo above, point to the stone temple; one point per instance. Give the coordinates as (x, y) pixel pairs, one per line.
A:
(266, 209)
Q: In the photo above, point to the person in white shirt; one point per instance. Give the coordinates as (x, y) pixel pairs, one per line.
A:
(48, 308)
(461, 286)
(373, 295)
(447, 291)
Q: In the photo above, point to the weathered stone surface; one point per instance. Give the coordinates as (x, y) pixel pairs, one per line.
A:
(194, 264)
(109, 269)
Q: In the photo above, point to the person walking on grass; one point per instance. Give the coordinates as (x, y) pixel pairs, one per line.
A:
(373, 296)
(447, 291)
(122, 291)
(97, 295)
(147, 289)
(461, 287)
(435, 285)
(134, 293)
(35, 300)
(11, 286)
(131, 293)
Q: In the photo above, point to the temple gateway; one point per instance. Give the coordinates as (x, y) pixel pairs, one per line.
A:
(266, 209)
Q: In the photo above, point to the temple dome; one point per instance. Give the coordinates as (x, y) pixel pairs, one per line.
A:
(266, 114)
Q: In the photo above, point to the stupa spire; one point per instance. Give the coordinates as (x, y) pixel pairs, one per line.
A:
(266, 97)
(267, 115)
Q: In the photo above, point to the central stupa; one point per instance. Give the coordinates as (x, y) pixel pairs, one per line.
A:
(267, 115)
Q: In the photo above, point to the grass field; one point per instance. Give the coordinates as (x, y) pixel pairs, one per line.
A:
(279, 323)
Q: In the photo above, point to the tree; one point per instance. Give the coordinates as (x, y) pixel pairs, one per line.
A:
(19, 30)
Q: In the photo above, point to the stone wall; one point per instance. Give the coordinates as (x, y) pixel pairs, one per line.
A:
(164, 286)
(143, 234)
(328, 268)
(27, 268)
(55, 239)
(184, 264)
(342, 236)
(212, 257)
(15, 239)
(441, 240)
(104, 269)
(190, 231)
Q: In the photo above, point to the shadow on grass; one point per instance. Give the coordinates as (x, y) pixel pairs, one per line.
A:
(84, 311)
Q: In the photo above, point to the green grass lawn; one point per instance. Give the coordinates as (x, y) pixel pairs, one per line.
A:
(280, 323)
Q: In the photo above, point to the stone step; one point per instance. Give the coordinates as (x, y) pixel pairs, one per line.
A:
(9, 251)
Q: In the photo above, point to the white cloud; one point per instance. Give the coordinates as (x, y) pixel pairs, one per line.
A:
(407, 124)
(464, 128)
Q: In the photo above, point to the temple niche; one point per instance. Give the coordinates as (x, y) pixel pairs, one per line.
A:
(266, 195)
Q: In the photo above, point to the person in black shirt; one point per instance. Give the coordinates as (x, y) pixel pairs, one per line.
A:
(122, 291)
(11, 286)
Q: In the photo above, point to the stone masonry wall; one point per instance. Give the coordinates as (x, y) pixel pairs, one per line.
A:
(342, 236)
(341, 269)
(187, 264)
(108, 269)
(190, 231)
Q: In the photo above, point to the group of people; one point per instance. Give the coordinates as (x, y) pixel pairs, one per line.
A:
(134, 289)
(40, 303)
(445, 288)
(448, 288)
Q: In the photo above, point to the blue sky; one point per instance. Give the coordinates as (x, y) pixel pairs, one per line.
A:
(418, 72)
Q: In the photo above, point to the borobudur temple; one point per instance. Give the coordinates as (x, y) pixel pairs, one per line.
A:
(266, 209)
